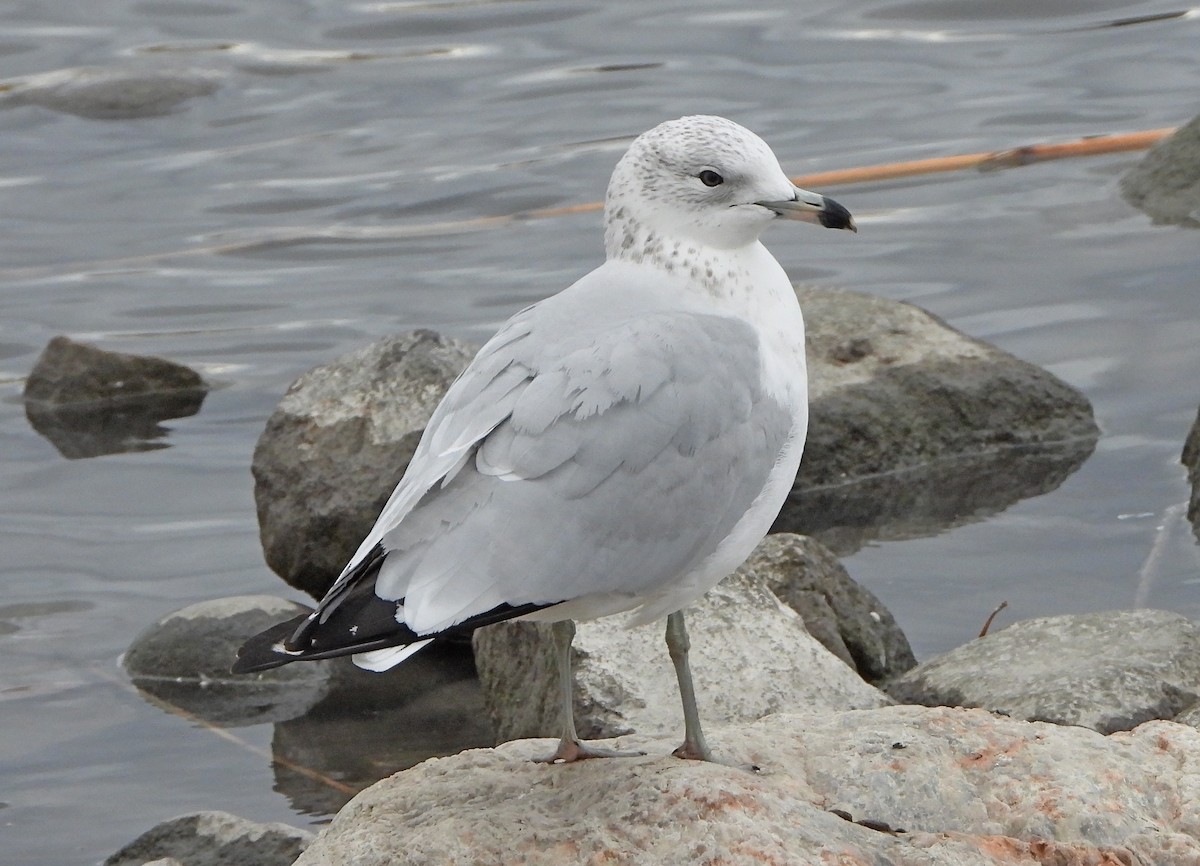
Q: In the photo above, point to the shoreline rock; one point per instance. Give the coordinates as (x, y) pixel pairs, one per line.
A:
(900, 785)
(1108, 671)
(1165, 183)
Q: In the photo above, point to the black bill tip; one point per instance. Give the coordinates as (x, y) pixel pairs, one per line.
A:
(835, 216)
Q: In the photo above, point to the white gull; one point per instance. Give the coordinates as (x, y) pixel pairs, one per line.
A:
(620, 446)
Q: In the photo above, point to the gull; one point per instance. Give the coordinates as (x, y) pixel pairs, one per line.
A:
(619, 447)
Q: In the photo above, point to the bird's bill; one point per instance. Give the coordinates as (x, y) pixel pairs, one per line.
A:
(811, 207)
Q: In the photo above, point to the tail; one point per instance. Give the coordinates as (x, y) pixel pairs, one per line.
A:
(269, 649)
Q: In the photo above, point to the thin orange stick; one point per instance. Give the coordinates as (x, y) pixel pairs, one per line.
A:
(990, 160)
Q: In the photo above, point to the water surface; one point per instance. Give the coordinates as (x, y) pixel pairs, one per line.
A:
(294, 209)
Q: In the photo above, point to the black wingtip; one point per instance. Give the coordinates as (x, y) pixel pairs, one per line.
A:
(261, 652)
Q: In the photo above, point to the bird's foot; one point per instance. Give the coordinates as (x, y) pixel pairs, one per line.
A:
(570, 751)
(694, 751)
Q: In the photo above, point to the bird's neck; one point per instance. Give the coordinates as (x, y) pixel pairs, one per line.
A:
(727, 274)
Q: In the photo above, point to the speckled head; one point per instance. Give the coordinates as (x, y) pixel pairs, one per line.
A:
(704, 180)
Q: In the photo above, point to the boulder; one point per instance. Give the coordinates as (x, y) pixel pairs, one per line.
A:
(1166, 182)
(751, 656)
(1191, 459)
(336, 446)
(184, 660)
(913, 423)
(89, 401)
(110, 94)
(906, 786)
(915, 426)
(1108, 671)
(214, 839)
(845, 617)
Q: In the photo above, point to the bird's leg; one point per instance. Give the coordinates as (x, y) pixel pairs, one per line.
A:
(694, 746)
(570, 747)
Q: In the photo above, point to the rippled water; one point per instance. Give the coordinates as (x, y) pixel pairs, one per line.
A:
(313, 188)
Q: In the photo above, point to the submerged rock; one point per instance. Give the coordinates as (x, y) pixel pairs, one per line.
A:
(214, 839)
(109, 94)
(184, 660)
(1107, 671)
(337, 445)
(1191, 459)
(89, 401)
(905, 412)
(751, 656)
(1166, 182)
(906, 786)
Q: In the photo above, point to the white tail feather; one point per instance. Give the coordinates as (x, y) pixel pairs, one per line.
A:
(385, 659)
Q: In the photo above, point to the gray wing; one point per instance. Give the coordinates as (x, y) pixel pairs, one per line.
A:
(610, 460)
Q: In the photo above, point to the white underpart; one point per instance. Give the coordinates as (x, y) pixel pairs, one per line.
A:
(385, 659)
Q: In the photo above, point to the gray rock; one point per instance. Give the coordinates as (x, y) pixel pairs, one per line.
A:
(751, 656)
(89, 401)
(1166, 182)
(1191, 459)
(931, 787)
(110, 94)
(1108, 671)
(214, 839)
(337, 445)
(916, 426)
(183, 660)
(846, 618)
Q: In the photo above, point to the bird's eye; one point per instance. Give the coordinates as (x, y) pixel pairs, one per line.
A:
(708, 177)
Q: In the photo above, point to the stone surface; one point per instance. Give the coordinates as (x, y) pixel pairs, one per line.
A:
(214, 839)
(89, 401)
(110, 94)
(916, 426)
(1107, 671)
(1191, 459)
(931, 787)
(751, 656)
(1166, 182)
(184, 660)
(846, 618)
(337, 445)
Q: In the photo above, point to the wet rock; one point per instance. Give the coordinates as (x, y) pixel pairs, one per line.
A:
(1191, 459)
(109, 94)
(1166, 182)
(89, 401)
(184, 660)
(911, 408)
(1107, 671)
(337, 445)
(214, 839)
(907, 786)
(927, 500)
(846, 618)
(751, 656)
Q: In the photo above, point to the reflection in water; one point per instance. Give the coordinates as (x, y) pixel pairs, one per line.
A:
(92, 430)
(373, 725)
(929, 499)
